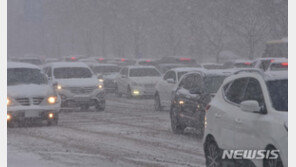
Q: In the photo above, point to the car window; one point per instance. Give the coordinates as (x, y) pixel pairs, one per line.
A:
(72, 72)
(124, 71)
(197, 81)
(236, 90)
(254, 92)
(187, 82)
(170, 75)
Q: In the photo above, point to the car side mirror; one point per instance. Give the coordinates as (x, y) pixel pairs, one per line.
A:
(170, 80)
(250, 106)
(195, 91)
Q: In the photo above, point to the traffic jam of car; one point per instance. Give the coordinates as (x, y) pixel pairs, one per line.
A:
(240, 107)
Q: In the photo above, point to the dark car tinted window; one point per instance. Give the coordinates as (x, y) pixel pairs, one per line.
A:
(278, 91)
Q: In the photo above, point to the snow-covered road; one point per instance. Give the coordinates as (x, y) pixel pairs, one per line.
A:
(128, 133)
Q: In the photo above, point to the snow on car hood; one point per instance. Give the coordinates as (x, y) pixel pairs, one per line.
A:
(31, 90)
(78, 82)
(110, 76)
(145, 80)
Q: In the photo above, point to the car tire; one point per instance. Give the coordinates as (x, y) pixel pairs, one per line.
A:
(84, 107)
(213, 154)
(129, 92)
(272, 162)
(100, 106)
(157, 103)
(177, 128)
(117, 93)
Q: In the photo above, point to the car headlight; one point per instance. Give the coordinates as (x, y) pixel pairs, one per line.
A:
(8, 101)
(100, 86)
(59, 87)
(101, 80)
(52, 99)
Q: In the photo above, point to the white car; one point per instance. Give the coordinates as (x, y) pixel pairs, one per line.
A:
(249, 112)
(263, 63)
(278, 65)
(164, 88)
(136, 81)
(76, 84)
(29, 95)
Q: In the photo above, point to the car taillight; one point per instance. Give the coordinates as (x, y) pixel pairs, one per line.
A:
(148, 61)
(122, 59)
(247, 63)
(101, 59)
(184, 59)
(73, 58)
(272, 60)
(285, 64)
(207, 108)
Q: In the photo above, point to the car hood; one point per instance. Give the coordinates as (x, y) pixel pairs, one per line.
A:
(31, 90)
(78, 82)
(110, 76)
(145, 80)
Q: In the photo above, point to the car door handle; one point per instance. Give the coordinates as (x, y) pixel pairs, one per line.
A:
(237, 120)
(218, 115)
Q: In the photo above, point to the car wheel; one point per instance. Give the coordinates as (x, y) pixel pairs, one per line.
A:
(177, 128)
(100, 106)
(118, 94)
(272, 162)
(84, 107)
(157, 104)
(213, 154)
(129, 92)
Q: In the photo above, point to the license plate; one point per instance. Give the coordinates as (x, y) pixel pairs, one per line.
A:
(31, 114)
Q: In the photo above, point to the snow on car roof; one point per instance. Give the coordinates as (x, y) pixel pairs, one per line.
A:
(280, 60)
(21, 65)
(135, 67)
(68, 64)
(182, 69)
(100, 64)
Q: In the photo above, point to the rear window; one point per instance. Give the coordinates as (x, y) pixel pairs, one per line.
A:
(279, 67)
(105, 69)
(72, 72)
(32, 61)
(213, 83)
(144, 72)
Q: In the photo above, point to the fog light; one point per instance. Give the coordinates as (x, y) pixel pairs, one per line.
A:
(59, 87)
(9, 117)
(100, 86)
(50, 115)
(52, 100)
(136, 92)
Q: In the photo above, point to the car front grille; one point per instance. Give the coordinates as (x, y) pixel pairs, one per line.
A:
(37, 100)
(23, 101)
(149, 85)
(82, 90)
(109, 83)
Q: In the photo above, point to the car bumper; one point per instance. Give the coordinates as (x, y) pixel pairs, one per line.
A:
(92, 98)
(19, 113)
(142, 91)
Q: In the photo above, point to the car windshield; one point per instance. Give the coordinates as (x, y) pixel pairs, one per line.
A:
(16, 76)
(32, 61)
(72, 72)
(213, 83)
(105, 69)
(144, 72)
(278, 91)
(278, 67)
(180, 74)
(243, 65)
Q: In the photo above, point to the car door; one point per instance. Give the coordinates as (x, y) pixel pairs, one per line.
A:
(226, 111)
(120, 80)
(166, 86)
(248, 125)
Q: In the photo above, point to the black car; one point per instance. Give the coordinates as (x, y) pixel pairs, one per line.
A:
(190, 98)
